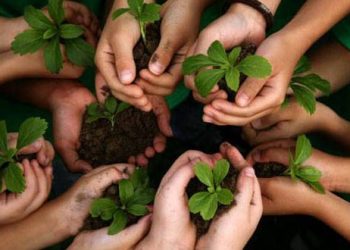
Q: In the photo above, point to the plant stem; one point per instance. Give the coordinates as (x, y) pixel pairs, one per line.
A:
(143, 32)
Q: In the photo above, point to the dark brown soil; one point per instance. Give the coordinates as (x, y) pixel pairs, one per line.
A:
(133, 132)
(29, 157)
(97, 223)
(247, 49)
(265, 170)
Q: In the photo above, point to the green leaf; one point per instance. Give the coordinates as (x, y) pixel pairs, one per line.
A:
(234, 54)
(2, 162)
(225, 196)
(139, 178)
(255, 66)
(210, 205)
(285, 103)
(136, 6)
(80, 52)
(53, 56)
(122, 106)
(197, 201)
(137, 210)
(1, 178)
(71, 31)
(120, 219)
(93, 109)
(220, 171)
(49, 33)
(126, 191)
(150, 13)
(117, 13)
(3, 137)
(194, 63)
(56, 11)
(317, 187)
(232, 78)
(36, 19)
(142, 196)
(217, 53)
(14, 178)
(111, 104)
(303, 150)
(204, 174)
(207, 79)
(304, 97)
(314, 82)
(28, 41)
(302, 66)
(104, 208)
(29, 131)
(309, 174)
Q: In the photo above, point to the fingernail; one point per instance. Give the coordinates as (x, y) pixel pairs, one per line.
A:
(243, 100)
(225, 145)
(249, 171)
(156, 68)
(126, 77)
(36, 144)
(257, 124)
(207, 119)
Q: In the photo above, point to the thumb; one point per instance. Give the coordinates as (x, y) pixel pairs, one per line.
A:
(245, 187)
(278, 155)
(33, 148)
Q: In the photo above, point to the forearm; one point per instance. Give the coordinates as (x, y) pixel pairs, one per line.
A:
(334, 212)
(8, 68)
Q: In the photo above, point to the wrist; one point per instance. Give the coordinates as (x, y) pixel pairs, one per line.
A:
(252, 14)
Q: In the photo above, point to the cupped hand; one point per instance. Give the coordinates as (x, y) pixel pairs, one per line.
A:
(15, 207)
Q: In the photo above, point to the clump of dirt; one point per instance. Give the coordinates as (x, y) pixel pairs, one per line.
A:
(134, 130)
(265, 170)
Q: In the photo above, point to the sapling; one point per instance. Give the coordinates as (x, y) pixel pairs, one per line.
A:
(224, 65)
(134, 196)
(108, 111)
(206, 202)
(29, 131)
(144, 13)
(48, 33)
(305, 86)
(297, 171)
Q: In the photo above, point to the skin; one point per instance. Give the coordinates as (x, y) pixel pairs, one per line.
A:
(67, 212)
(15, 66)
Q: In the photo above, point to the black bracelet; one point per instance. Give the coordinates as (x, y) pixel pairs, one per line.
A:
(259, 6)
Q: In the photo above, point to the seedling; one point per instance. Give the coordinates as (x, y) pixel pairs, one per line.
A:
(48, 34)
(134, 195)
(305, 86)
(29, 131)
(206, 203)
(108, 111)
(144, 13)
(224, 66)
(297, 171)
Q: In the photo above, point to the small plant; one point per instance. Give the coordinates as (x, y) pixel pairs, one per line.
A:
(224, 65)
(305, 86)
(29, 131)
(108, 111)
(134, 195)
(308, 174)
(206, 202)
(144, 13)
(49, 34)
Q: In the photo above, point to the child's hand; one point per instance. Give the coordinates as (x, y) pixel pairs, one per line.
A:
(41, 148)
(288, 122)
(179, 29)
(15, 207)
(170, 211)
(240, 24)
(242, 219)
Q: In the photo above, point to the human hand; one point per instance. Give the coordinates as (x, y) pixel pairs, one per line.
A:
(288, 123)
(124, 240)
(15, 207)
(171, 216)
(242, 218)
(239, 25)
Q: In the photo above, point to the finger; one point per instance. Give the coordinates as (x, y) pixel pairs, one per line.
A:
(150, 152)
(33, 148)
(141, 103)
(79, 9)
(269, 120)
(278, 155)
(153, 89)
(159, 143)
(141, 160)
(277, 132)
(123, 168)
(25, 198)
(163, 55)
(101, 88)
(233, 155)
(162, 112)
(132, 160)
(245, 187)
(249, 90)
(49, 176)
(256, 203)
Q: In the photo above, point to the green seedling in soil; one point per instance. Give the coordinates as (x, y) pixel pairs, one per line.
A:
(134, 196)
(29, 131)
(206, 202)
(144, 13)
(297, 171)
(224, 66)
(108, 111)
(305, 86)
(49, 33)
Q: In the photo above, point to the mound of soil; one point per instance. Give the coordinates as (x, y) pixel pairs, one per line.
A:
(133, 131)
(265, 170)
